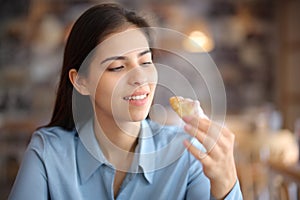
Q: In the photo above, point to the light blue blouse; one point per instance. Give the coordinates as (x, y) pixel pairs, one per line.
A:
(60, 164)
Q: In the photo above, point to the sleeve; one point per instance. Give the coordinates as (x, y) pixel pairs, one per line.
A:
(198, 186)
(234, 194)
(31, 181)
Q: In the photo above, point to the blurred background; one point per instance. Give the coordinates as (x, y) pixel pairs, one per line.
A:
(254, 43)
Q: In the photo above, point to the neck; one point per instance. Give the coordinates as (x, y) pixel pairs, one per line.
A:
(117, 140)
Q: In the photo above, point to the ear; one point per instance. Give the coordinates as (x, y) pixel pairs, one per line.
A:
(78, 82)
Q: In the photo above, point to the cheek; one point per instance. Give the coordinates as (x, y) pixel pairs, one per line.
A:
(104, 87)
(94, 79)
(102, 98)
(152, 75)
(108, 89)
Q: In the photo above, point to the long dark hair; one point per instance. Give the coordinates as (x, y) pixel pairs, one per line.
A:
(87, 32)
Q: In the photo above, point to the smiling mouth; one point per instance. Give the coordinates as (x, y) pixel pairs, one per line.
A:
(136, 97)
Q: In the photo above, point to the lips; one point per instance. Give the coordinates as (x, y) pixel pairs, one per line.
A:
(137, 96)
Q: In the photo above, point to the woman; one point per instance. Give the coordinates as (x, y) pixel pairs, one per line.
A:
(111, 151)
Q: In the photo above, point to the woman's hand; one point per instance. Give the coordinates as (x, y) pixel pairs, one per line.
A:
(218, 161)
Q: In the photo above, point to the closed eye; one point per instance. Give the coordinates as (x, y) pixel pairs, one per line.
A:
(147, 63)
(115, 69)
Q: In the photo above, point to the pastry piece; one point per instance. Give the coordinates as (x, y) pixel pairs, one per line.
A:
(183, 107)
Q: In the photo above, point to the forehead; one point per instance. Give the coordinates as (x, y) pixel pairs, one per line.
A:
(121, 43)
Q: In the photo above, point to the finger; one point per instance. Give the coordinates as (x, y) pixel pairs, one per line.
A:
(205, 139)
(194, 132)
(226, 131)
(197, 153)
(201, 123)
(210, 144)
(215, 132)
(210, 128)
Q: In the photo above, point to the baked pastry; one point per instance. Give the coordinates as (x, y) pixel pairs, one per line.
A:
(183, 106)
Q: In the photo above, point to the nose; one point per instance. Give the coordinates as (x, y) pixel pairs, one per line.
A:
(137, 76)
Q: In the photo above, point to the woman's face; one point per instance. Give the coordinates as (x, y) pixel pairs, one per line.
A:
(122, 78)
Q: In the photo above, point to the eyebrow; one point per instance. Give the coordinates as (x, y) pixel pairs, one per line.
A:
(123, 57)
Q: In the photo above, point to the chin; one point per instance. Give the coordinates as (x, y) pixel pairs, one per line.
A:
(136, 117)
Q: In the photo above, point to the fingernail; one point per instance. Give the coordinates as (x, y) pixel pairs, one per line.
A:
(187, 118)
(186, 143)
(187, 127)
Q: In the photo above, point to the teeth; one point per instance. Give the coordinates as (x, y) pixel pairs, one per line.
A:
(139, 97)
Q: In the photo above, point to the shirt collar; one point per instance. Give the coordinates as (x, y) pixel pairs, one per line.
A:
(146, 151)
(90, 156)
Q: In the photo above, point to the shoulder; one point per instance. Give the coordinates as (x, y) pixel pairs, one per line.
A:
(52, 138)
